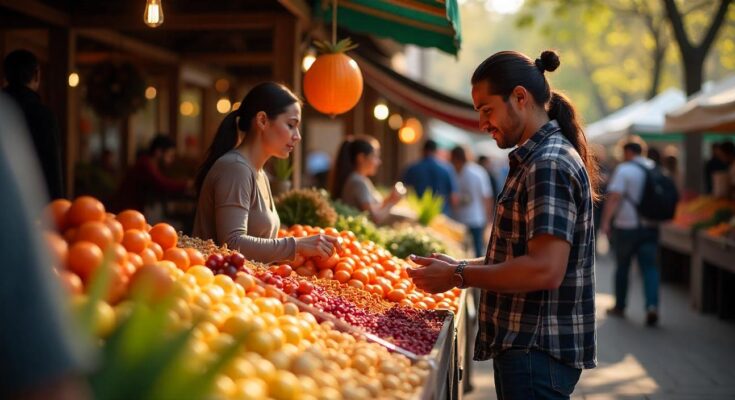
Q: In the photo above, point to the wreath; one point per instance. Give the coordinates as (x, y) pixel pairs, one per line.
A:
(115, 90)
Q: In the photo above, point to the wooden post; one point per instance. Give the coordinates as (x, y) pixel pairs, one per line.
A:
(694, 162)
(63, 100)
(287, 69)
(174, 91)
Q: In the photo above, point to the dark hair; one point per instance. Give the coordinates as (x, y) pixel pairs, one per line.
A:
(430, 146)
(160, 142)
(346, 161)
(20, 67)
(636, 148)
(458, 154)
(270, 97)
(506, 70)
(654, 154)
(728, 148)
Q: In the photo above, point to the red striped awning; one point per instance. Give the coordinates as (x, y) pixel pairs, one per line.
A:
(416, 97)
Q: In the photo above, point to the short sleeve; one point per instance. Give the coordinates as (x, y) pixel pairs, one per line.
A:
(551, 208)
(617, 181)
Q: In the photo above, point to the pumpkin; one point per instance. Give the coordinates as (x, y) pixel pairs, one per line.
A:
(333, 84)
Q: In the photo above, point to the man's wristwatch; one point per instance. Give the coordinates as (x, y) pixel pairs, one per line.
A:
(458, 277)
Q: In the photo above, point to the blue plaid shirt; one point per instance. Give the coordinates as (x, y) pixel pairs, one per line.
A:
(547, 192)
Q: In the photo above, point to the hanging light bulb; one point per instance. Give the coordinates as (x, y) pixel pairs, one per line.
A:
(395, 121)
(224, 105)
(309, 59)
(153, 15)
(73, 79)
(381, 111)
(150, 93)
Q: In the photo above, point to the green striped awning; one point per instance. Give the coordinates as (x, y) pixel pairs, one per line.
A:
(426, 23)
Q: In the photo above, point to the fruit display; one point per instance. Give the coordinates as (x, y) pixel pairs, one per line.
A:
(703, 212)
(367, 266)
(257, 331)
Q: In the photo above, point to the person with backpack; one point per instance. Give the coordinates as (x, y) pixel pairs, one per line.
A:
(639, 197)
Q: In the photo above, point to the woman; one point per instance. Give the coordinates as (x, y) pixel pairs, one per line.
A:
(235, 204)
(359, 159)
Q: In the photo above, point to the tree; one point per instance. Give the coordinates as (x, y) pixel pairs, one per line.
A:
(693, 56)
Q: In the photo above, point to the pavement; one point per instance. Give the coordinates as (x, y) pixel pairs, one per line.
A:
(689, 356)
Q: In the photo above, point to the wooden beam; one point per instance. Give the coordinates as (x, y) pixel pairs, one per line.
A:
(188, 22)
(300, 9)
(134, 46)
(228, 58)
(38, 10)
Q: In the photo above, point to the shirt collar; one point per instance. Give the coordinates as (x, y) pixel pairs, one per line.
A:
(522, 152)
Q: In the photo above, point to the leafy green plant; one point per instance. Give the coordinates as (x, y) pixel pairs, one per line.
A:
(145, 356)
(282, 169)
(412, 241)
(362, 227)
(344, 210)
(427, 206)
(305, 207)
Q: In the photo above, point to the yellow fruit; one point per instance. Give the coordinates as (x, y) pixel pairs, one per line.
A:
(215, 293)
(264, 369)
(225, 282)
(292, 334)
(251, 389)
(221, 342)
(290, 309)
(203, 275)
(240, 368)
(245, 280)
(238, 324)
(285, 386)
(224, 386)
(261, 342)
(104, 319)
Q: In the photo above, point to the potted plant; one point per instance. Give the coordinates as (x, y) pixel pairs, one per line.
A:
(282, 170)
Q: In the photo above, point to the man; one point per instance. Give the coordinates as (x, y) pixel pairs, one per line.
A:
(475, 197)
(487, 163)
(23, 77)
(144, 181)
(717, 163)
(631, 234)
(433, 174)
(537, 311)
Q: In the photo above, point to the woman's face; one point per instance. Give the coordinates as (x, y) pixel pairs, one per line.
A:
(369, 163)
(282, 133)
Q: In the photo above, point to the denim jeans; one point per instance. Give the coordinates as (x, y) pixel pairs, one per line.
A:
(523, 375)
(641, 243)
(478, 240)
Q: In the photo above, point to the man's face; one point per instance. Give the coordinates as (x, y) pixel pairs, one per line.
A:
(497, 117)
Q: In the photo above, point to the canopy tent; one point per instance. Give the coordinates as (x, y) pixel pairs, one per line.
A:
(415, 96)
(711, 110)
(426, 23)
(645, 118)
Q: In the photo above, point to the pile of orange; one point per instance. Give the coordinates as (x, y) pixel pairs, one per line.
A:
(368, 266)
(83, 235)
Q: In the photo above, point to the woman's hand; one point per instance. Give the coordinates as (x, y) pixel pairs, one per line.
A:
(321, 246)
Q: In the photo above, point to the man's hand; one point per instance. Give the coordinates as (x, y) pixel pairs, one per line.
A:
(433, 276)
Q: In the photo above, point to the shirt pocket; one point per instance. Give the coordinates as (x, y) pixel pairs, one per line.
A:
(508, 218)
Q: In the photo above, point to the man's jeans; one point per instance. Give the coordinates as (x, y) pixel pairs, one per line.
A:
(642, 243)
(522, 375)
(479, 244)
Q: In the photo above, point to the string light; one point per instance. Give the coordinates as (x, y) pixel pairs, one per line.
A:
(395, 121)
(224, 105)
(150, 93)
(73, 79)
(381, 111)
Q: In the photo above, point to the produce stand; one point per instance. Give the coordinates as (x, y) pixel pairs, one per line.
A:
(677, 249)
(716, 267)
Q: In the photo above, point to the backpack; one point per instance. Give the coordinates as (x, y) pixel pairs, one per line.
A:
(658, 202)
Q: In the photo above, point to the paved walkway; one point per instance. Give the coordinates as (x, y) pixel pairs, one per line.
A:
(689, 356)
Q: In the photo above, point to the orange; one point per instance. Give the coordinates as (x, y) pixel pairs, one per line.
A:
(59, 248)
(361, 275)
(116, 228)
(118, 285)
(120, 254)
(84, 258)
(71, 282)
(356, 283)
(85, 209)
(56, 211)
(195, 256)
(70, 234)
(165, 235)
(148, 256)
(326, 274)
(177, 256)
(132, 219)
(136, 259)
(135, 240)
(157, 250)
(151, 282)
(342, 275)
(396, 295)
(95, 232)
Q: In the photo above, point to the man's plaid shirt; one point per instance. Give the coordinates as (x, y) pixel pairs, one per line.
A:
(547, 192)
